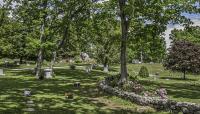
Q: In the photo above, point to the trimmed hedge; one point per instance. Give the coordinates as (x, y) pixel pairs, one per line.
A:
(143, 72)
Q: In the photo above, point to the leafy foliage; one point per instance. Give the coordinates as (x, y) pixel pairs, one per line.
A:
(72, 67)
(143, 72)
(183, 56)
(188, 34)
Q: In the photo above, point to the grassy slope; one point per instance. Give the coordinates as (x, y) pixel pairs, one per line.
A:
(48, 95)
(177, 88)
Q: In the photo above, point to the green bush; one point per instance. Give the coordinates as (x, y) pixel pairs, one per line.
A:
(133, 78)
(143, 72)
(72, 67)
(113, 80)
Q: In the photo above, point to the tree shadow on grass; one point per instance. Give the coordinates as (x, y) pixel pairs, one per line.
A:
(178, 79)
(48, 96)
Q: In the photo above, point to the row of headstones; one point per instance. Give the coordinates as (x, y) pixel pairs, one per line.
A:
(47, 73)
(7, 63)
(136, 61)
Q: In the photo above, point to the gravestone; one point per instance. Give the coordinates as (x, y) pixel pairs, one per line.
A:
(27, 64)
(1, 72)
(71, 61)
(88, 69)
(84, 56)
(18, 64)
(47, 73)
(151, 62)
(6, 63)
(105, 68)
(135, 61)
(77, 84)
(27, 92)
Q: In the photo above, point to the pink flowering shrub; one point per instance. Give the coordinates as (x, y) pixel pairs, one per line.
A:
(162, 93)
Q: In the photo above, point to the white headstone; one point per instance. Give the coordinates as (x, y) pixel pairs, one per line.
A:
(1, 72)
(105, 68)
(87, 69)
(84, 56)
(18, 63)
(135, 61)
(151, 62)
(47, 73)
(27, 93)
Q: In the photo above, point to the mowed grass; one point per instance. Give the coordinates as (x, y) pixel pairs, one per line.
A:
(178, 89)
(48, 95)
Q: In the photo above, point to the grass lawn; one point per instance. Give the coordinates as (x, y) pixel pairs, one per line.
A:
(48, 95)
(178, 89)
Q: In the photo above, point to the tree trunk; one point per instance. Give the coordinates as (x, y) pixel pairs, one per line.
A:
(124, 30)
(41, 49)
(40, 54)
(21, 60)
(184, 75)
(105, 65)
(141, 56)
(39, 64)
(53, 60)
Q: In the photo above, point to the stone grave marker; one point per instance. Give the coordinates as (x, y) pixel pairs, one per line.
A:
(18, 64)
(6, 63)
(77, 84)
(88, 69)
(27, 92)
(27, 64)
(48, 73)
(1, 72)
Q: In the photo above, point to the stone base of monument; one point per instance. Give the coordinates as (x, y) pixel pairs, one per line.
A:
(48, 73)
(77, 84)
(1, 72)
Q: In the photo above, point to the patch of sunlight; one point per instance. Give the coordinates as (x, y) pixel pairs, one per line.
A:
(3, 97)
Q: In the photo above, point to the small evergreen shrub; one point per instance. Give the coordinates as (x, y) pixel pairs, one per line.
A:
(72, 67)
(143, 72)
(113, 80)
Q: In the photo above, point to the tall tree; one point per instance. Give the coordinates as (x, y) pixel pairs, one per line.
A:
(184, 57)
(125, 20)
(105, 33)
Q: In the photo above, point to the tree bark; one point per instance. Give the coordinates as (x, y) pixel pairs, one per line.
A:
(141, 56)
(41, 49)
(53, 61)
(40, 54)
(184, 75)
(105, 66)
(21, 60)
(124, 30)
